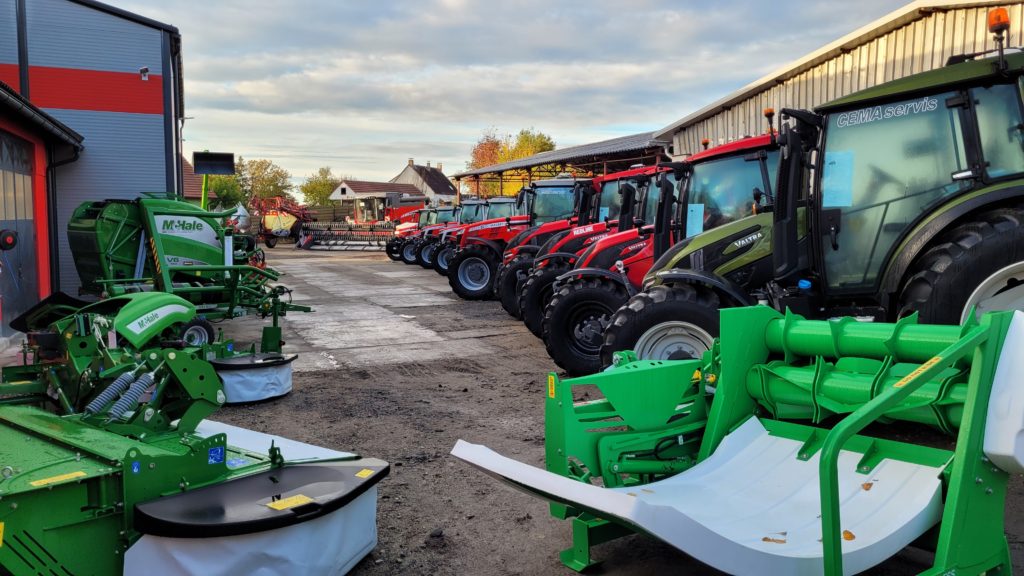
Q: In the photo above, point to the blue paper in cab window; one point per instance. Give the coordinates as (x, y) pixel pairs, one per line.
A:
(603, 213)
(694, 219)
(837, 180)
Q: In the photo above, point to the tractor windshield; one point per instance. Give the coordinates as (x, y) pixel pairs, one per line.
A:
(445, 215)
(424, 217)
(611, 201)
(471, 213)
(885, 166)
(651, 195)
(722, 190)
(552, 203)
(501, 210)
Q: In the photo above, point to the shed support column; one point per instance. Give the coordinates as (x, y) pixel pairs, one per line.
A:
(501, 184)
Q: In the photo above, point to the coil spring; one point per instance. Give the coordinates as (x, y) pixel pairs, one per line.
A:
(109, 393)
(131, 398)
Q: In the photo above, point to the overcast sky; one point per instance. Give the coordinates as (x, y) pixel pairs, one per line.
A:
(362, 85)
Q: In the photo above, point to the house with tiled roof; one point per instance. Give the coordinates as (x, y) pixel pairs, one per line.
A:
(363, 189)
(430, 181)
(192, 183)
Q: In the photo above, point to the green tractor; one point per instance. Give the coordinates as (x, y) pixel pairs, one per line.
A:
(904, 198)
(162, 244)
(110, 463)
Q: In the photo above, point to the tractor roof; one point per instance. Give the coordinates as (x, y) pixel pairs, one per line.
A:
(749, 143)
(951, 76)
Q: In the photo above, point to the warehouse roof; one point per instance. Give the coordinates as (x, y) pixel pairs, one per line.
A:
(575, 154)
(361, 188)
(884, 25)
(22, 108)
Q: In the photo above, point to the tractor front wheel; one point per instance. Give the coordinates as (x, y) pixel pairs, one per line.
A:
(536, 291)
(978, 264)
(510, 281)
(409, 250)
(425, 255)
(575, 320)
(471, 272)
(668, 322)
(394, 249)
(443, 258)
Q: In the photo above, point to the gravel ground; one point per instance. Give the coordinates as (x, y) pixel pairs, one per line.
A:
(395, 366)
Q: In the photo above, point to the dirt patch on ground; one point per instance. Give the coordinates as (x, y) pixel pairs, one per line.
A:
(437, 515)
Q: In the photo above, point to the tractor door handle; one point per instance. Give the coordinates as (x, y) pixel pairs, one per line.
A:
(833, 235)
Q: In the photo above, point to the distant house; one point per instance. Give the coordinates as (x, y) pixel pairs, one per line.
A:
(428, 180)
(371, 197)
(192, 183)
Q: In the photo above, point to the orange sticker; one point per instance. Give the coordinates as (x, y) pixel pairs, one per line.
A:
(917, 372)
(551, 385)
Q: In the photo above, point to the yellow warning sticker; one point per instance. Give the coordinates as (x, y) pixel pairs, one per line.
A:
(551, 385)
(1, 534)
(917, 372)
(55, 479)
(364, 473)
(289, 502)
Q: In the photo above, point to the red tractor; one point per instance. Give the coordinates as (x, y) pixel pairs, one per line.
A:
(701, 193)
(470, 211)
(448, 243)
(472, 269)
(414, 221)
(437, 219)
(616, 211)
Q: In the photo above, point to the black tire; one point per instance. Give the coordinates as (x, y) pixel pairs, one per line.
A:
(425, 254)
(394, 248)
(574, 322)
(942, 279)
(656, 306)
(471, 273)
(443, 257)
(409, 251)
(535, 292)
(270, 241)
(197, 331)
(510, 280)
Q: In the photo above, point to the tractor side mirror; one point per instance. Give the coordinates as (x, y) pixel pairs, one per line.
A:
(508, 222)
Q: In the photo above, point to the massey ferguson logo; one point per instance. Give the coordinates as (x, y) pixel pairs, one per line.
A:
(191, 225)
(748, 240)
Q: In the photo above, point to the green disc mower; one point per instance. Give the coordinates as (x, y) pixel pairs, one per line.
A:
(109, 463)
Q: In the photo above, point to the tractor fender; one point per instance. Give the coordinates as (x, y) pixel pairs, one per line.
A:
(591, 272)
(489, 243)
(713, 281)
(552, 255)
(918, 240)
(527, 249)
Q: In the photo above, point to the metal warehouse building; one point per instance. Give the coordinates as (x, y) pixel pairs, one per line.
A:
(111, 77)
(918, 37)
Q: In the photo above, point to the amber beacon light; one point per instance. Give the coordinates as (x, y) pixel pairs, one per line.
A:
(998, 20)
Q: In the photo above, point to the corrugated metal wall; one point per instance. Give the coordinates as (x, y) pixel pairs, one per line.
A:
(124, 152)
(8, 32)
(921, 45)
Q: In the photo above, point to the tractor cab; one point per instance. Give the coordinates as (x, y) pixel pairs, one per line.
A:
(560, 198)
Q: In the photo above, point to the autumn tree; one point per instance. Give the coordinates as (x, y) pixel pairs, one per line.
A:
(262, 178)
(493, 149)
(225, 192)
(316, 190)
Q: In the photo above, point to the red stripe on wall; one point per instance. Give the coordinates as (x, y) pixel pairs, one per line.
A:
(9, 75)
(72, 89)
(40, 207)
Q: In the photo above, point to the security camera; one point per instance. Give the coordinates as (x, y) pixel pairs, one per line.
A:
(144, 73)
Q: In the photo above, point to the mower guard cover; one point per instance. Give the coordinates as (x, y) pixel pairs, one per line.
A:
(323, 518)
(255, 377)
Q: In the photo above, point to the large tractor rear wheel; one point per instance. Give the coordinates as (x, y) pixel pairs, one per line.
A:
(535, 292)
(978, 264)
(575, 320)
(510, 280)
(668, 322)
(425, 254)
(471, 272)
(394, 248)
(443, 258)
(409, 251)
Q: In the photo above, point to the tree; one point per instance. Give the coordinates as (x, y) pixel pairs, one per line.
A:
(262, 178)
(492, 149)
(226, 192)
(316, 190)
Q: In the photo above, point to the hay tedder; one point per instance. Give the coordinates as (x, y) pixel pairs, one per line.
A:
(109, 463)
(752, 459)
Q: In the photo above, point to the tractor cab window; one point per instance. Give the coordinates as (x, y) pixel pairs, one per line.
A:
(883, 167)
(446, 215)
(552, 203)
(500, 210)
(471, 213)
(651, 194)
(1000, 126)
(432, 218)
(611, 202)
(722, 191)
(424, 218)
